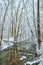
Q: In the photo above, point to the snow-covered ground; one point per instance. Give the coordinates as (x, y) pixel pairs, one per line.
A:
(41, 52)
(33, 62)
(6, 44)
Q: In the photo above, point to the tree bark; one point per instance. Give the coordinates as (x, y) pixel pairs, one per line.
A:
(38, 23)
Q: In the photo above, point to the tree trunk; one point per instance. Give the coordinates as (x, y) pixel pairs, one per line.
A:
(34, 19)
(38, 23)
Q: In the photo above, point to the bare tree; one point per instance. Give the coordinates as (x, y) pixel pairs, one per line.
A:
(28, 21)
(15, 28)
(20, 16)
(12, 16)
(34, 19)
(4, 19)
(17, 25)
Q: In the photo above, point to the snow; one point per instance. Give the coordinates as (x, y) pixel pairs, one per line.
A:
(5, 45)
(11, 39)
(41, 52)
(23, 57)
(32, 62)
(29, 54)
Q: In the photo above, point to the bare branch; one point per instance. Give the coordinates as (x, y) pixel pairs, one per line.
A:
(4, 19)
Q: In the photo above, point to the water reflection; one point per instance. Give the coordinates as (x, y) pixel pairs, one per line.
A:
(9, 58)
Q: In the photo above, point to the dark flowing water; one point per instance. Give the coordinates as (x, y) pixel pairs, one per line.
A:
(8, 58)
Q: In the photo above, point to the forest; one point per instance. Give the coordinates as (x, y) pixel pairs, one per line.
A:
(21, 32)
